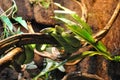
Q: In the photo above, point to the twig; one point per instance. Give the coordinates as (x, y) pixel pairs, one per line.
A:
(83, 8)
(1, 11)
(44, 54)
(80, 51)
(53, 55)
(30, 29)
(101, 34)
(11, 8)
(9, 56)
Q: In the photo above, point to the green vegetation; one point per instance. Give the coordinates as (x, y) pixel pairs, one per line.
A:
(78, 34)
(43, 3)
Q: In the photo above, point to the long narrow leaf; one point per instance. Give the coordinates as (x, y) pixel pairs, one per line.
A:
(6, 20)
(77, 30)
(82, 23)
(68, 48)
(21, 21)
(48, 66)
(81, 32)
(99, 45)
(88, 53)
(116, 58)
(48, 69)
(76, 17)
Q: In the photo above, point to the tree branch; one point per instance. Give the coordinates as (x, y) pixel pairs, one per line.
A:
(10, 55)
(101, 34)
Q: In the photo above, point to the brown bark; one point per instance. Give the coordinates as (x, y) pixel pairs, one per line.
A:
(10, 55)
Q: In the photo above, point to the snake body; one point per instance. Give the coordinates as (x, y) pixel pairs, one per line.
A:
(26, 38)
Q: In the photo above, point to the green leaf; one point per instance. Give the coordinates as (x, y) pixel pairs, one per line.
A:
(88, 53)
(59, 29)
(29, 53)
(99, 45)
(61, 68)
(71, 40)
(82, 23)
(51, 65)
(116, 58)
(83, 55)
(21, 21)
(47, 68)
(47, 30)
(65, 20)
(76, 17)
(31, 65)
(81, 32)
(7, 21)
(77, 29)
(68, 48)
(45, 4)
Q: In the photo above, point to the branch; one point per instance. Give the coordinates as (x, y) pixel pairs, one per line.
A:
(53, 55)
(83, 8)
(1, 11)
(80, 51)
(30, 28)
(9, 56)
(101, 34)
